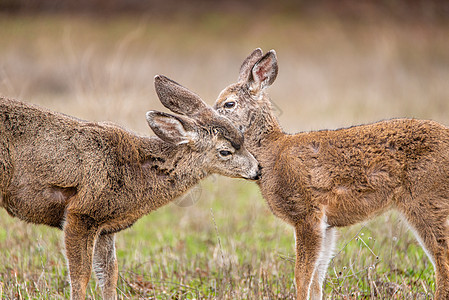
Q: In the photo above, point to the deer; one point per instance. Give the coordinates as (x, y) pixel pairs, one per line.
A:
(94, 179)
(322, 180)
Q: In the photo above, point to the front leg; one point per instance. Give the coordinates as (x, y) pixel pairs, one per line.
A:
(309, 235)
(80, 232)
(326, 252)
(105, 265)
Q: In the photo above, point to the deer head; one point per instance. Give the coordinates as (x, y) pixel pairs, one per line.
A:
(219, 143)
(246, 103)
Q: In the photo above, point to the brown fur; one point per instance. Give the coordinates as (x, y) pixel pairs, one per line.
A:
(317, 181)
(93, 180)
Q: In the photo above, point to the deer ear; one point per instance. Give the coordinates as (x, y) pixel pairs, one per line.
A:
(264, 72)
(177, 98)
(248, 63)
(172, 129)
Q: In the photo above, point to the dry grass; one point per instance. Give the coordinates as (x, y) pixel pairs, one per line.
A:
(333, 73)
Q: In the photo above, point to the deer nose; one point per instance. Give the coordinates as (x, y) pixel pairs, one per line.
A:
(258, 174)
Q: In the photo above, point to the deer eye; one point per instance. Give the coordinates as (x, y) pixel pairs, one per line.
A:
(225, 153)
(229, 104)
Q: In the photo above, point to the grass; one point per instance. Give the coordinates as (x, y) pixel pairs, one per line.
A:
(222, 242)
(226, 246)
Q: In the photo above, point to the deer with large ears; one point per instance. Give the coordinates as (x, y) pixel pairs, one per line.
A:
(318, 181)
(92, 179)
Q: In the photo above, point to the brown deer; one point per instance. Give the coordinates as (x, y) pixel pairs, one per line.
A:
(317, 181)
(93, 179)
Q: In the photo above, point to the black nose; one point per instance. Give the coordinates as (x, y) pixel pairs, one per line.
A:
(258, 174)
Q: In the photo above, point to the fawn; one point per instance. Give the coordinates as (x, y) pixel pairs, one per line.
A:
(317, 181)
(94, 179)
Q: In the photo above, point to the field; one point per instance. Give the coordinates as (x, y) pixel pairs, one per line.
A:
(221, 241)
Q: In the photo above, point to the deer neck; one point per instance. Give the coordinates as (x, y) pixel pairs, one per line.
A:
(168, 170)
(263, 130)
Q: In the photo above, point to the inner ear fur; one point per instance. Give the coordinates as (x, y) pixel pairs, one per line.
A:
(172, 129)
(264, 71)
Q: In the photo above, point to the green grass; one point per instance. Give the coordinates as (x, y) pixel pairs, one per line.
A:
(226, 244)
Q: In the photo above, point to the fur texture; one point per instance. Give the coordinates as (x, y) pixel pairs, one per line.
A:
(92, 180)
(336, 178)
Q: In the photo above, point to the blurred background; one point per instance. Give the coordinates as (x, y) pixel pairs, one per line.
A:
(341, 63)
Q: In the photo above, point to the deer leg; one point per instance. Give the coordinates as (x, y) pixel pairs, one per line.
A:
(105, 265)
(80, 232)
(309, 239)
(432, 231)
(327, 248)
